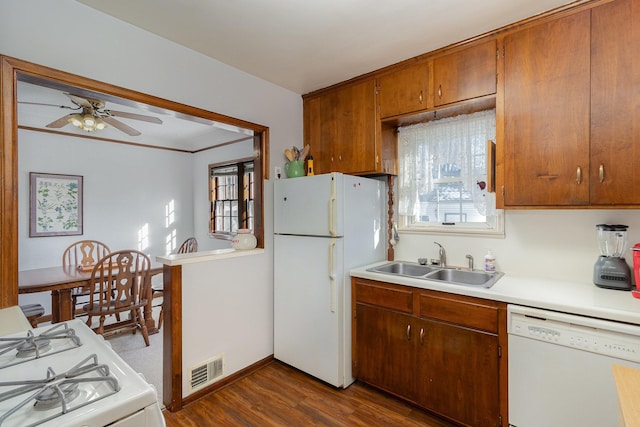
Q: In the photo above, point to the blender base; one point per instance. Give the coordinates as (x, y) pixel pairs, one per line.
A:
(612, 273)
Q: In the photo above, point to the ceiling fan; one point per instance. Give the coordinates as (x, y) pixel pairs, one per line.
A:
(91, 115)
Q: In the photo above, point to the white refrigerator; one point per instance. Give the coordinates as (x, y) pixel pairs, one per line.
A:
(324, 226)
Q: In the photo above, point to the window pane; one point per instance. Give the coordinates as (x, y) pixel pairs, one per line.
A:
(232, 190)
(442, 163)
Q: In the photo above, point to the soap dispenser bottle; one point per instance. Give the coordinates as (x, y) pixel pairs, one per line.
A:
(489, 263)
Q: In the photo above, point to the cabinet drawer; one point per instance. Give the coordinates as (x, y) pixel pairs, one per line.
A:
(391, 297)
(459, 310)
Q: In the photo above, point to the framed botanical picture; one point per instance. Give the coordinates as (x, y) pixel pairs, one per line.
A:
(55, 205)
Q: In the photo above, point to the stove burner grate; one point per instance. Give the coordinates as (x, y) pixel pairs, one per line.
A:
(59, 390)
(52, 397)
(32, 346)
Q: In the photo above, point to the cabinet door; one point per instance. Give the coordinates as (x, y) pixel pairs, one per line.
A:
(466, 74)
(546, 113)
(615, 103)
(385, 349)
(355, 146)
(403, 91)
(459, 373)
(320, 129)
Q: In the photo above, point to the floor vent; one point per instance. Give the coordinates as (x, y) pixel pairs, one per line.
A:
(206, 373)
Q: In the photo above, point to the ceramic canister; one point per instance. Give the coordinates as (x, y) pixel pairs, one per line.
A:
(243, 240)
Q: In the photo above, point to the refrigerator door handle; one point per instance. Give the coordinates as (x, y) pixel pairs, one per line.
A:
(332, 204)
(332, 276)
(332, 225)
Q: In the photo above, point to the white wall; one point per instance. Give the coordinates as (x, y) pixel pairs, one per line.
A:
(555, 244)
(228, 293)
(125, 188)
(40, 31)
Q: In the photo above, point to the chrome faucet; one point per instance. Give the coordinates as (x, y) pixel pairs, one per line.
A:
(442, 254)
(470, 258)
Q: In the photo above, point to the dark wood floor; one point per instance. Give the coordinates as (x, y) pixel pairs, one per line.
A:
(278, 395)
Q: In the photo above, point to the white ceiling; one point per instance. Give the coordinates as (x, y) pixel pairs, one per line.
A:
(305, 45)
(174, 133)
(300, 45)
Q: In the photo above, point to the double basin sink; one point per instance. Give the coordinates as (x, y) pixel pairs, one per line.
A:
(454, 276)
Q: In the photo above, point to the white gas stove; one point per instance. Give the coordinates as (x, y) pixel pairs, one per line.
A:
(65, 374)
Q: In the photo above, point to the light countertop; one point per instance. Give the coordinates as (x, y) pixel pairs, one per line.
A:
(570, 297)
(205, 256)
(13, 320)
(628, 385)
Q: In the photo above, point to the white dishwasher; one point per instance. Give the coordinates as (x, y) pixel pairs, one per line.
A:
(560, 368)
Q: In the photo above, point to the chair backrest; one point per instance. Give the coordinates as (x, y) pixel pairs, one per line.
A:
(188, 246)
(120, 280)
(84, 252)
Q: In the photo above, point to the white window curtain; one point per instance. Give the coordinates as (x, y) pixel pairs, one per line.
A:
(448, 149)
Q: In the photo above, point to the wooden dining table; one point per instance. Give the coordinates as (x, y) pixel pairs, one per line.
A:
(61, 281)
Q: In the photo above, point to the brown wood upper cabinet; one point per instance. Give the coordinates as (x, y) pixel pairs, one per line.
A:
(320, 129)
(615, 103)
(437, 350)
(465, 74)
(572, 117)
(341, 125)
(404, 90)
(546, 113)
(355, 146)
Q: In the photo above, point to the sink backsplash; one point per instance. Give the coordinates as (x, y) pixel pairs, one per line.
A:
(553, 244)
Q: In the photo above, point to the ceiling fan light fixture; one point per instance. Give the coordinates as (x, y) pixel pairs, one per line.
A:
(87, 122)
(76, 120)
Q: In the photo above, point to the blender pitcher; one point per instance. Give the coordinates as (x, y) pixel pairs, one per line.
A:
(612, 239)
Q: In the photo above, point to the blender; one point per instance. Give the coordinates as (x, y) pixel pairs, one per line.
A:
(611, 270)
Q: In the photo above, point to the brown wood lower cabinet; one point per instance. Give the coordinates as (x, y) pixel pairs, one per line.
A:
(441, 351)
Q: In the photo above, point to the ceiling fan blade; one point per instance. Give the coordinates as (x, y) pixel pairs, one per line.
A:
(82, 102)
(47, 105)
(121, 126)
(61, 122)
(149, 119)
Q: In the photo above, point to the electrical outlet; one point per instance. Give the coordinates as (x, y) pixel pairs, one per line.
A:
(277, 172)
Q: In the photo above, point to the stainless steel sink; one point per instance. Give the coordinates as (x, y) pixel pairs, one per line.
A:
(449, 275)
(465, 277)
(403, 269)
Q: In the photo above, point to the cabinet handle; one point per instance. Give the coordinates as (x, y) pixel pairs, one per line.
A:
(421, 336)
(579, 175)
(601, 173)
(439, 91)
(420, 97)
(408, 332)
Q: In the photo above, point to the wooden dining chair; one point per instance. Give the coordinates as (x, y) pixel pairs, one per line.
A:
(188, 246)
(32, 312)
(120, 283)
(83, 254)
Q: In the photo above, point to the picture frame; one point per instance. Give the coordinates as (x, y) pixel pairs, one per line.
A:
(55, 204)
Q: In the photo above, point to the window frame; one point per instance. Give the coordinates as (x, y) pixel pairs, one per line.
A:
(491, 228)
(244, 195)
